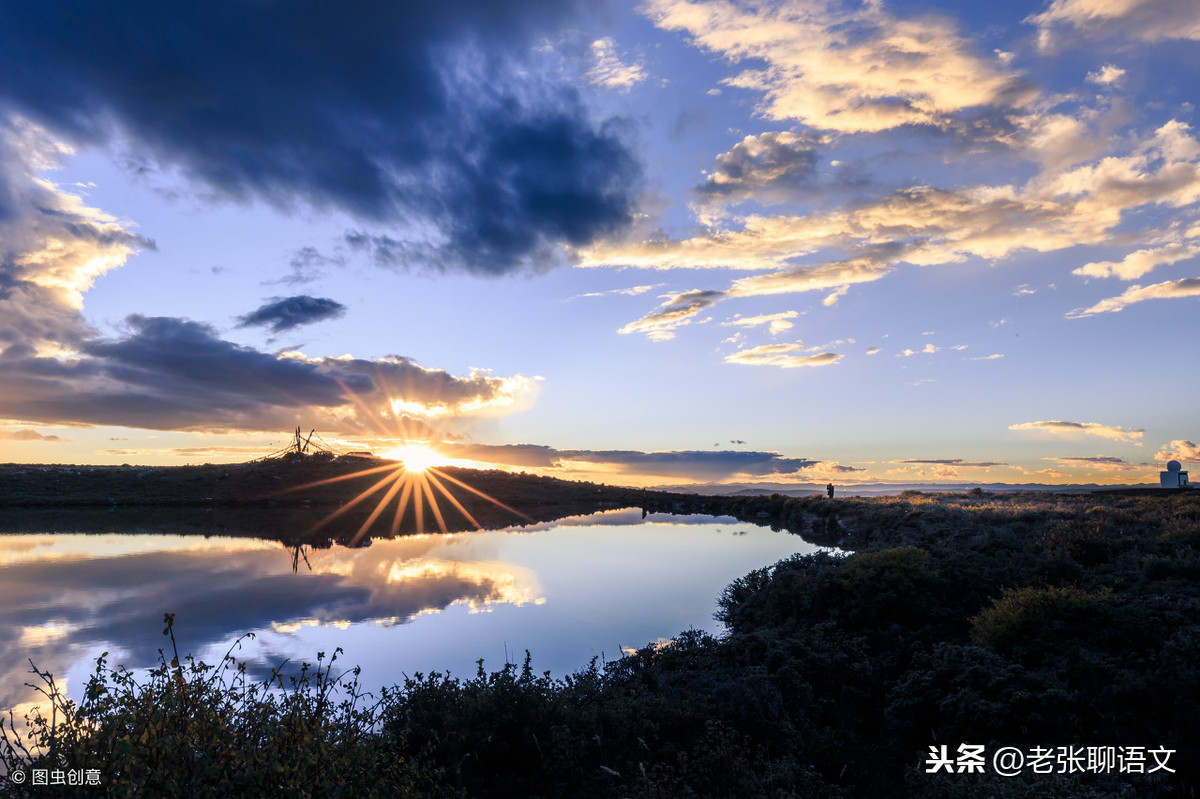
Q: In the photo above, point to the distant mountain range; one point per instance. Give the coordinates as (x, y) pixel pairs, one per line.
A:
(879, 489)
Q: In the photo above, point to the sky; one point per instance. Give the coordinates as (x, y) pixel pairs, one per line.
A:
(647, 243)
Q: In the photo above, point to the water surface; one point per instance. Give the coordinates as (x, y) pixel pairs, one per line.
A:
(568, 591)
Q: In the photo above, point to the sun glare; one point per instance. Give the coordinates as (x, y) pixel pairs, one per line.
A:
(416, 458)
(410, 479)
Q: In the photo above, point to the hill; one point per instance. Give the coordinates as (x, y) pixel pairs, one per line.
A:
(299, 498)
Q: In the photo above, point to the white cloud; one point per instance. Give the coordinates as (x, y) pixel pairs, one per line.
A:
(632, 291)
(1139, 262)
(832, 298)
(776, 322)
(1186, 287)
(1179, 450)
(928, 349)
(1147, 20)
(785, 356)
(609, 72)
(1057, 140)
(1107, 75)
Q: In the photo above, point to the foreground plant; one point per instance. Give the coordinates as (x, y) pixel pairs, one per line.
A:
(190, 728)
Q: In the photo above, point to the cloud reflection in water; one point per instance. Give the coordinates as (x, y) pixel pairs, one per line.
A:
(60, 601)
(567, 591)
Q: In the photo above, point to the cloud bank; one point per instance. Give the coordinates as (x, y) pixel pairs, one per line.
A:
(176, 374)
(689, 464)
(863, 79)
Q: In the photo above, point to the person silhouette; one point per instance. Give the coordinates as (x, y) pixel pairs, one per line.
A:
(829, 490)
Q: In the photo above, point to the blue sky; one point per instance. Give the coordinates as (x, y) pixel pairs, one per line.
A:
(663, 242)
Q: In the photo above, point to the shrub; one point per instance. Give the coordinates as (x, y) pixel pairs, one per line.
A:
(1020, 612)
(890, 585)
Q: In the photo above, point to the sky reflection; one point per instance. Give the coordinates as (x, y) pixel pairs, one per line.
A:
(567, 591)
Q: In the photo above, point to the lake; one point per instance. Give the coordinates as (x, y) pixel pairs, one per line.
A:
(567, 591)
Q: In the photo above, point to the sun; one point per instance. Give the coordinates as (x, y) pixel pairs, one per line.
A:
(412, 477)
(415, 457)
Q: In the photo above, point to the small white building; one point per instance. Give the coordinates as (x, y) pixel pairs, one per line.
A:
(1174, 476)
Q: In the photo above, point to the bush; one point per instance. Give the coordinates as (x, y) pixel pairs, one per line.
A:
(888, 585)
(1018, 613)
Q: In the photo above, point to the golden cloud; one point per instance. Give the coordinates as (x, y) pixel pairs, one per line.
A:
(1073, 429)
(785, 356)
(847, 69)
(1185, 287)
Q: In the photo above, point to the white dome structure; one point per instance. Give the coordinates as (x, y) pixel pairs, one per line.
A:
(1174, 476)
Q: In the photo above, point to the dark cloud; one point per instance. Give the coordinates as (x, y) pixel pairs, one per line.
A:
(164, 354)
(696, 464)
(289, 312)
(172, 373)
(1095, 460)
(507, 454)
(388, 252)
(31, 314)
(952, 462)
(426, 115)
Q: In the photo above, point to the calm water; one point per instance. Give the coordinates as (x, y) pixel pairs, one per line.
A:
(567, 591)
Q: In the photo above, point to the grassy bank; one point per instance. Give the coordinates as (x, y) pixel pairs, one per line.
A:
(1025, 621)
